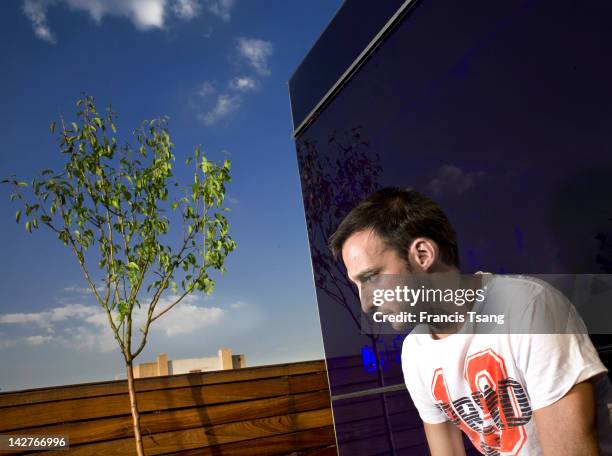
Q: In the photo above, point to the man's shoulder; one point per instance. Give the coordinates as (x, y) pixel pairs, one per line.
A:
(532, 305)
(522, 283)
(518, 292)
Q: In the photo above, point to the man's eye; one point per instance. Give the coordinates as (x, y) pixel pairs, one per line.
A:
(368, 278)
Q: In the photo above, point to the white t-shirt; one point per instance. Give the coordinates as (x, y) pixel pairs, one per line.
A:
(490, 384)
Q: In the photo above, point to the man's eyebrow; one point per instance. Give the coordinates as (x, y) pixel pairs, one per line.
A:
(363, 274)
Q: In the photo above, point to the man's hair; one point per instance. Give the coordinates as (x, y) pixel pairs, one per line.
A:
(399, 216)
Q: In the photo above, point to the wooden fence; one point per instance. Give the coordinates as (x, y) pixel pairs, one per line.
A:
(269, 410)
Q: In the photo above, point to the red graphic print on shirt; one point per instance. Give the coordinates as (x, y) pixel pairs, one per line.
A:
(494, 415)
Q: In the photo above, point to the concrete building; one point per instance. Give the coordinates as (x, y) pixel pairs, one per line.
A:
(164, 366)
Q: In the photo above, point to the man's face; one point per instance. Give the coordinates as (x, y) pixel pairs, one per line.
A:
(366, 258)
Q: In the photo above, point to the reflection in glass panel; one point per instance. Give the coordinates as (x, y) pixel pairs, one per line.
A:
(501, 112)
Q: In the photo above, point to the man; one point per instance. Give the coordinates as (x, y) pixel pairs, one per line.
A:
(512, 394)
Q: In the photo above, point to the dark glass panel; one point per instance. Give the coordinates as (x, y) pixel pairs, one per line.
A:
(355, 24)
(500, 111)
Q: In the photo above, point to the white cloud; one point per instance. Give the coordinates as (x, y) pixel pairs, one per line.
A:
(256, 53)
(88, 338)
(38, 339)
(186, 318)
(36, 11)
(34, 340)
(82, 290)
(78, 311)
(226, 102)
(45, 319)
(243, 84)
(186, 9)
(450, 179)
(221, 8)
(85, 327)
(38, 318)
(224, 106)
(144, 14)
(206, 88)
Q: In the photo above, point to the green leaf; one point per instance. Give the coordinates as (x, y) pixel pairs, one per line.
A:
(123, 309)
(132, 183)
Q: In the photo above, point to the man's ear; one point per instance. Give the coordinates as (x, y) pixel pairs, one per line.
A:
(422, 254)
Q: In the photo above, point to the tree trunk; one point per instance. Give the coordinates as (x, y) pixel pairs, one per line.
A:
(134, 408)
(385, 407)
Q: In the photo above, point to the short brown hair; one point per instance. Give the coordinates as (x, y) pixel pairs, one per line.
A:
(399, 216)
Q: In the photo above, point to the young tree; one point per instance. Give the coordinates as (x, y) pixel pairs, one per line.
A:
(113, 207)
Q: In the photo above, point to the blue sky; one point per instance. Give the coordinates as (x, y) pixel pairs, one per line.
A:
(218, 69)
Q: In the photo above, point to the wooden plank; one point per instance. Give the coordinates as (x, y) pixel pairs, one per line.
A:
(172, 420)
(272, 446)
(328, 451)
(398, 421)
(400, 424)
(357, 430)
(355, 360)
(202, 437)
(373, 445)
(26, 416)
(60, 393)
(396, 403)
(407, 420)
(400, 401)
(354, 388)
(370, 406)
(357, 376)
(358, 410)
(376, 442)
(345, 361)
(410, 438)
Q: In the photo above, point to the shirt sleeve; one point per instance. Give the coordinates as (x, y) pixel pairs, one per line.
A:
(552, 363)
(420, 394)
